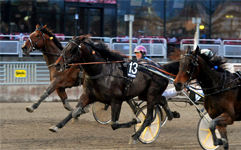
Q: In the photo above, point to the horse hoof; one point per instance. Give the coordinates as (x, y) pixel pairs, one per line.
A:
(30, 109)
(176, 114)
(221, 141)
(68, 108)
(75, 120)
(132, 141)
(114, 126)
(54, 129)
(138, 120)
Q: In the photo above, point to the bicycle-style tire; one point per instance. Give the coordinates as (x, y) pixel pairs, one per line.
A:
(204, 135)
(150, 133)
(101, 112)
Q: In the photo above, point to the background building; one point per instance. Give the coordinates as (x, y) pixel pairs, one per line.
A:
(164, 18)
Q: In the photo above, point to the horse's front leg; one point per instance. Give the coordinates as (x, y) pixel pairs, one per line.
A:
(147, 122)
(51, 88)
(64, 98)
(73, 114)
(220, 122)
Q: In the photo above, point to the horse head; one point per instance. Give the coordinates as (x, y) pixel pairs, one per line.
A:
(35, 41)
(188, 68)
(38, 40)
(73, 52)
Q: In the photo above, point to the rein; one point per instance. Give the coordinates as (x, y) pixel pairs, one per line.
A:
(161, 70)
(89, 63)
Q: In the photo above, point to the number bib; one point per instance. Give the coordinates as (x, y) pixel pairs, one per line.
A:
(132, 69)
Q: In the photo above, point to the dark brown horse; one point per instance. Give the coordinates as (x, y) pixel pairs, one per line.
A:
(105, 82)
(43, 40)
(222, 92)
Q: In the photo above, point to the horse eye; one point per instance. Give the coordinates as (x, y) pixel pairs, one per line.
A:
(37, 36)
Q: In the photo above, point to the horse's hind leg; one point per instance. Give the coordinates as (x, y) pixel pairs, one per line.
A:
(80, 107)
(220, 122)
(83, 101)
(61, 124)
(115, 113)
(147, 122)
(62, 94)
(223, 132)
(163, 102)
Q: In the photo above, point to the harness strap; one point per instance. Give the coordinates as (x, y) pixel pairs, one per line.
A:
(227, 89)
(94, 77)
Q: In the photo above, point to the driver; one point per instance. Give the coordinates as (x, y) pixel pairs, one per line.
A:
(141, 52)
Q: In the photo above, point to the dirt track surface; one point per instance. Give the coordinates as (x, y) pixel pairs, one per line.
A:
(23, 130)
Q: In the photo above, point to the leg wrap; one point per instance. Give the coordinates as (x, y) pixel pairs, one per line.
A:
(44, 95)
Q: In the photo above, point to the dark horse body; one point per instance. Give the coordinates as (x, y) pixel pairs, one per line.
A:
(105, 82)
(49, 45)
(222, 91)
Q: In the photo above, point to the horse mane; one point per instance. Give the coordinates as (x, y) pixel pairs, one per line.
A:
(50, 34)
(214, 61)
(172, 67)
(102, 49)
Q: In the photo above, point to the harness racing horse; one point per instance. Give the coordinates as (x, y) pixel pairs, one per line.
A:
(43, 40)
(222, 92)
(105, 82)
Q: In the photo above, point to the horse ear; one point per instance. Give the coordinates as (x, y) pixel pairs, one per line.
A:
(37, 26)
(45, 26)
(197, 50)
(188, 49)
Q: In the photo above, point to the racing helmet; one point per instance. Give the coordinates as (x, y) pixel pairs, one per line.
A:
(207, 52)
(141, 49)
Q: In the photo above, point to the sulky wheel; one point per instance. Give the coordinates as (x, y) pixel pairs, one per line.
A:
(204, 134)
(101, 112)
(150, 133)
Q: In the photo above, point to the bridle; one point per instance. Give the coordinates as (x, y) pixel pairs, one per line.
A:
(194, 61)
(67, 59)
(33, 44)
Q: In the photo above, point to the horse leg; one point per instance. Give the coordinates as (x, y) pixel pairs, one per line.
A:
(63, 96)
(223, 132)
(115, 113)
(222, 121)
(163, 102)
(61, 124)
(147, 122)
(73, 114)
(43, 96)
(80, 107)
(132, 105)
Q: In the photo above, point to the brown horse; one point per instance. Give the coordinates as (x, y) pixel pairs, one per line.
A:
(43, 40)
(222, 92)
(106, 82)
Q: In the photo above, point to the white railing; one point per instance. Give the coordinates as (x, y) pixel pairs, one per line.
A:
(156, 47)
(232, 48)
(214, 44)
(11, 45)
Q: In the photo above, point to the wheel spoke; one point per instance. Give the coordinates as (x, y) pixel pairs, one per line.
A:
(150, 131)
(144, 132)
(205, 129)
(209, 133)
